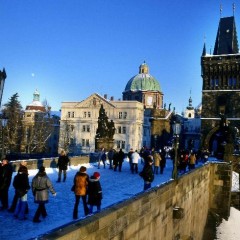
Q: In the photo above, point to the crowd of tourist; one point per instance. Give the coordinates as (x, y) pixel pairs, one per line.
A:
(151, 161)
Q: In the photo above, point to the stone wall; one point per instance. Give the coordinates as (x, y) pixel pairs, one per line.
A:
(51, 162)
(175, 210)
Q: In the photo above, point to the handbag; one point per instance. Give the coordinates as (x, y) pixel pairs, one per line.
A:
(21, 192)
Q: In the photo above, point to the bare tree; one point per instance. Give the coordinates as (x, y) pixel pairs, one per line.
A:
(66, 135)
(38, 133)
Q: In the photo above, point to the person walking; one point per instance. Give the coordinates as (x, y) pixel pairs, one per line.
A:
(62, 164)
(157, 159)
(192, 161)
(94, 192)
(163, 161)
(21, 185)
(120, 159)
(5, 181)
(135, 159)
(147, 173)
(102, 157)
(80, 183)
(41, 185)
(130, 158)
(110, 157)
(16, 196)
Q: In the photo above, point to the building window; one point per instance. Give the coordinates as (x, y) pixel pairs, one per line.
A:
(122, 130)
(121, 144)
(122, 115)
(86, 114)
(119, 129)
(86, 128)
(87, 143)
(71, 114)
(83, 142)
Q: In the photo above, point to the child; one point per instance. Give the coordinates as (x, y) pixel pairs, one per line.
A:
(94, 192)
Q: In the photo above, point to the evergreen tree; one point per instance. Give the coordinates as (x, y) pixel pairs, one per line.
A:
(13, 131)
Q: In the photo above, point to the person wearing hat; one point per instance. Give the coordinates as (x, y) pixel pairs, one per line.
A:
(5, 181)
(147, 173)
(94, 192)
(80, 183)
(41, 185)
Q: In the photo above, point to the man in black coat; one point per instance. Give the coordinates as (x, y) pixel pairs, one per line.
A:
(5, 181)
(147, 173)
(62, 164)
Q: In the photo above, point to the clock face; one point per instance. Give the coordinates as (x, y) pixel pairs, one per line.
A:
(149, 100)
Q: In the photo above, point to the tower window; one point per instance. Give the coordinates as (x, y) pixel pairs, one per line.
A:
(232, 82)
(214, 82)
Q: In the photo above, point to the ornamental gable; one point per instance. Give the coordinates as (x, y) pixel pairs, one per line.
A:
(95, 101)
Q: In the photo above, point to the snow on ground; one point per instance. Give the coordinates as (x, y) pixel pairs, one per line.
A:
(117, 186)
(230, 230)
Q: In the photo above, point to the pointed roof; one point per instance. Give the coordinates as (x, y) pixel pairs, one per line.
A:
(204, 50)
(226, 40)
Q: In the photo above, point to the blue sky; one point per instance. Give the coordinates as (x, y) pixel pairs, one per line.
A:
(69, 49)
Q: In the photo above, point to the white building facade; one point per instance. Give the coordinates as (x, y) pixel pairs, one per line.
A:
(79, 122)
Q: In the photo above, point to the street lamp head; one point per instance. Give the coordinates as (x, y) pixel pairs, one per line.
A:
(176, 128)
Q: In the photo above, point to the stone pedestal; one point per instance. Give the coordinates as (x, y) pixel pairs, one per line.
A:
(105, 143)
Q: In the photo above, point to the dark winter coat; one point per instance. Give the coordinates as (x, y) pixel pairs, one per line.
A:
(110, 154)
(94, 191)
(41, 185)
(120, 156)
(21, 183)
(5, 176)
(147, 173)
(63, 162)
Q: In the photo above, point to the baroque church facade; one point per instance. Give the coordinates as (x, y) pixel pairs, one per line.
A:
(221, 88)
(131, 116)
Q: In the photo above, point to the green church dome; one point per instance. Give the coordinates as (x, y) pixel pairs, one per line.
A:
(143, 81)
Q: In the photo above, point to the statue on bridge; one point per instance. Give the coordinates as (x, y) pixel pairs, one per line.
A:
(105, 131)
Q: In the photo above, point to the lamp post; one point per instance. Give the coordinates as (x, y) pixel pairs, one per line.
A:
(4, 123)
(176, 131)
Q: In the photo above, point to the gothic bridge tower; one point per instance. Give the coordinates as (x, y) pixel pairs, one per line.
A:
(221, 88)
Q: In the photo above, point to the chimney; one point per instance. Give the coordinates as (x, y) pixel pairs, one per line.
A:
(112, 98)
(105, 96)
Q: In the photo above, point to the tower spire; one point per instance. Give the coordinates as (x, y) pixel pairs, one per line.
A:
(233, 5)
(220, 10)
(204, 46)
